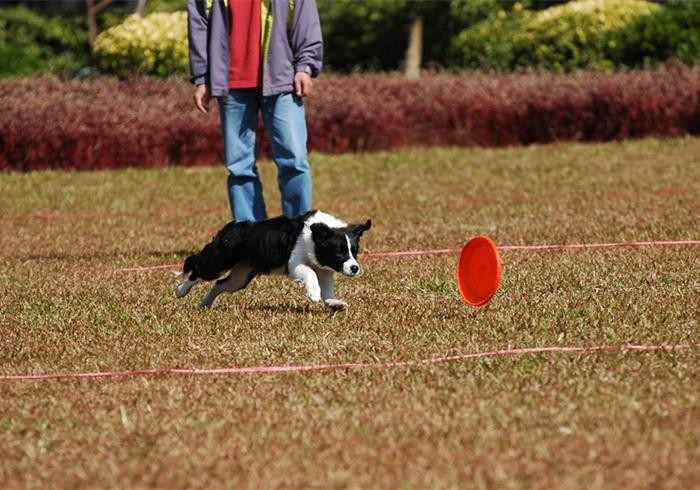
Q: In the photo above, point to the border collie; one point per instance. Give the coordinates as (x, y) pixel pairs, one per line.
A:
(309, 249)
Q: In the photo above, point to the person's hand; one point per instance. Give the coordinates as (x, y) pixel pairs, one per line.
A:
(201, 98)
(302, 84)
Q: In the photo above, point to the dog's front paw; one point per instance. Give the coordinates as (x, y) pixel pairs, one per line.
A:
(314, 294)
(336, 305)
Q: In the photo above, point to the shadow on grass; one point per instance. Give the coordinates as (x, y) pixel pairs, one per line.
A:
(289, 308)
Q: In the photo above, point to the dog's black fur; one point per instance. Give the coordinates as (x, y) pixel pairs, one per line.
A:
(265, 245)
(308, 248)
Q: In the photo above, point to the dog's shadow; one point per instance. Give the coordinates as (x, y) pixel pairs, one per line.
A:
(299, 309)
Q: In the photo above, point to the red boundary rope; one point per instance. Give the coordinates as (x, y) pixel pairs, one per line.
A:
(347, 365)
(413, 253)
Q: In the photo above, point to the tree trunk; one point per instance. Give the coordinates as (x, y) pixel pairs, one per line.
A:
(414, 53)
(140, 7)
(92, 10)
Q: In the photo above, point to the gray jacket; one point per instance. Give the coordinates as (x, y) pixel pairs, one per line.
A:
(291, 43)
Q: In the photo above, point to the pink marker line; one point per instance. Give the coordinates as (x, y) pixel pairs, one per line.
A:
(574, 246)
(561, 246)
(412, 253)
(346, 365)
(147, 268)
(506, 248)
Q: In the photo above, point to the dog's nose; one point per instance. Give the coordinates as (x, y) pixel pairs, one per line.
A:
(354, 268)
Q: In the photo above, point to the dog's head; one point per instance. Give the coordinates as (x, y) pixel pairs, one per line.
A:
(337, 248)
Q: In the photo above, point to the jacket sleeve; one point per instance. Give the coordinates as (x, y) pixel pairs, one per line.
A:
(305, 37)
(197, 35)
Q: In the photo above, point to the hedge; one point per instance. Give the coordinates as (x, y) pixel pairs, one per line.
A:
(149, 123)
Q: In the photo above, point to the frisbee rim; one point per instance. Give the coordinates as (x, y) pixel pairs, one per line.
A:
(462, 280)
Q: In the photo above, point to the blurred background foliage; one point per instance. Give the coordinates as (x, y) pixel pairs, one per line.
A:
(372, 35)
(32, 44)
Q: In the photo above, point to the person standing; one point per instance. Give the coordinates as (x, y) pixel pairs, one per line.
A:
(258, 56)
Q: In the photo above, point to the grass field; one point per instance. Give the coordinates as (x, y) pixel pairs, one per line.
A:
(601, 420)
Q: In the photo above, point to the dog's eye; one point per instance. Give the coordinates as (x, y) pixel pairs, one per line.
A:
(336, 254)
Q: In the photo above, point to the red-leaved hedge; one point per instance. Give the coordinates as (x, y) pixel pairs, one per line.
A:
(149, 123)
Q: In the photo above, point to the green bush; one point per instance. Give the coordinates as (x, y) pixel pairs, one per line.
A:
(577, 34)
(495, 42)
(31, 44)
(152, 45)
(165, 5)
(370, 34)
(373, 34)
(672, 32)
(580, 34)
(20, 60)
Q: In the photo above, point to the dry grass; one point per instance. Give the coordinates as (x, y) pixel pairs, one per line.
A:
(625, 420)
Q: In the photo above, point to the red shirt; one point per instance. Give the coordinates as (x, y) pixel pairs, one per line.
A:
(245, 67)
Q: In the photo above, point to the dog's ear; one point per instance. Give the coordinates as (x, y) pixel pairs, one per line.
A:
(319, 231)
(358, 230)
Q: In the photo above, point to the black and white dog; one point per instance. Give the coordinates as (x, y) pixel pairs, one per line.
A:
(309, 249)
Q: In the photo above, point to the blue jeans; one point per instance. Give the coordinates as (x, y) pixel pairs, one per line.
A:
(285, 122)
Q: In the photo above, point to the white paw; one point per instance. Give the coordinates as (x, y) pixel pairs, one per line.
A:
(314, 294)
(336, 305)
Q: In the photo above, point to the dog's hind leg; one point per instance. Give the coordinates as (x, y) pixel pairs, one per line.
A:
(327, 283)
(239, 278)
(184, 287)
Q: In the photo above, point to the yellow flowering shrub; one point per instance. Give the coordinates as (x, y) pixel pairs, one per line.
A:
(153, 45)
(580, 34)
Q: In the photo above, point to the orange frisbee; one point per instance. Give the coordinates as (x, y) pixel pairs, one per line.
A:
(479, 270)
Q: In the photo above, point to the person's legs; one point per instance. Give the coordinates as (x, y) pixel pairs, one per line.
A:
(286, 125)
(239, 124)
